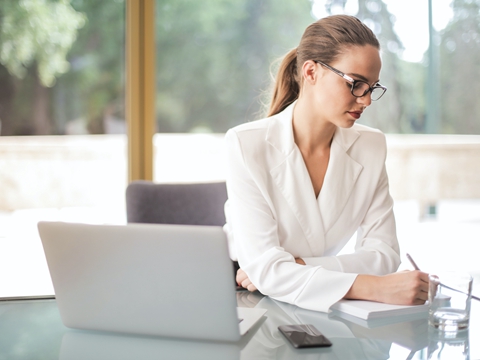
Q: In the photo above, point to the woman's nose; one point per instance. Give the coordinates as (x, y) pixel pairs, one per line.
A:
(366, 99)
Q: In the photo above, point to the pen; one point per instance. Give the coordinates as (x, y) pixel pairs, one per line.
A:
(448, 287)
(412, 262)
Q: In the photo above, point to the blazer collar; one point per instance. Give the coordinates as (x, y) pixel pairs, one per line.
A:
(340, 178)
(291, 176)
(345, 137)
(280, 133)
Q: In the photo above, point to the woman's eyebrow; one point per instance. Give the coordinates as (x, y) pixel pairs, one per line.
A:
(361, 77)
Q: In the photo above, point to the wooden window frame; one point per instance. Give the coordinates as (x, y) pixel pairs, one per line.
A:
(140, 87)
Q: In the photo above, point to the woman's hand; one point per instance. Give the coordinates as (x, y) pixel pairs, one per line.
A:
(243, 280)
(405, 288)
(402, 288)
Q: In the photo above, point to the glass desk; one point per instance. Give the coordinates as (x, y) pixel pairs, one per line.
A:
(33, 329)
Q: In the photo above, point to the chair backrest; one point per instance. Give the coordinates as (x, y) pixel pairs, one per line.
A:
(188, 204)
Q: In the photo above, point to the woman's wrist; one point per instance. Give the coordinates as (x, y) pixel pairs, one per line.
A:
(365, 287)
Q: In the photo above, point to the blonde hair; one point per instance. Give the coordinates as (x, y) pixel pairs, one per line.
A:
(323, 40)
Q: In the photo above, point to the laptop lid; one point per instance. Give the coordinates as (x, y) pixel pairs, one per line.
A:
(150, 279)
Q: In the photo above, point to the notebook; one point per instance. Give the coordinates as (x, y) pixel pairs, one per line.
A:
(369, 310)
(147, 279)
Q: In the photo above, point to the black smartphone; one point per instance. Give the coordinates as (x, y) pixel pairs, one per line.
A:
(304, 336)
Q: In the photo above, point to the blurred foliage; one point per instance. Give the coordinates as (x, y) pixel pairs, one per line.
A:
(88, 81)
(215, 60)
(90, 97)
(40, 31)
(459, 52)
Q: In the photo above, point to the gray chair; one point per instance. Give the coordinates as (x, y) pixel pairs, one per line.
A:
(188, 204)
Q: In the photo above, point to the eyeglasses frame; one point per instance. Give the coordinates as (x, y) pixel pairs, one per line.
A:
(353, 81)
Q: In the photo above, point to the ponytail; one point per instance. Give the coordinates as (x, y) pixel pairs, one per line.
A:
(286, 87)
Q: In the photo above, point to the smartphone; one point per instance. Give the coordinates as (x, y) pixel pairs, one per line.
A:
(304, 336)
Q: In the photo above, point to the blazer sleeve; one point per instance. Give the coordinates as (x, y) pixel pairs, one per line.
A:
(253, 226)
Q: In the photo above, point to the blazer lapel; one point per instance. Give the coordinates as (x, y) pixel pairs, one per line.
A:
(292, 178)
(341, 176)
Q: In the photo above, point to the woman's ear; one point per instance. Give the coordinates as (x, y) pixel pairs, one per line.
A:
(309, 72)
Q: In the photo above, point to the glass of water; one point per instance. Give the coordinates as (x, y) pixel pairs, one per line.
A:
(449, 297)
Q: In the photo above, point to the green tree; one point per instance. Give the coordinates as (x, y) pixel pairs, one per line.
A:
(91, 94)
(35, 34)
(214, 58)
(459, 69)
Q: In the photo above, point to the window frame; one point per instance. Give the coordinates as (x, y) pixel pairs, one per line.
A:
(140, 87)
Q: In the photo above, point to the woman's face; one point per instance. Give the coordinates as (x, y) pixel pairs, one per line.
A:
(332, 93)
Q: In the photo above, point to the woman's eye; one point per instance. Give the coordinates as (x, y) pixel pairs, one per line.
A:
(360, 85)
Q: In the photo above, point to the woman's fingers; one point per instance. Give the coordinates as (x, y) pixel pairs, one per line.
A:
(247, 284)
(422, 291)
(243, 280)
(419, 287)
(241, 276)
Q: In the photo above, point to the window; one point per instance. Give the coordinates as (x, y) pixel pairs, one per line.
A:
(63, 142)
(213, 72)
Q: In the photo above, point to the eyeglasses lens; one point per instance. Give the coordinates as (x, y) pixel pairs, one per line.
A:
(361, 88)
(377, 93)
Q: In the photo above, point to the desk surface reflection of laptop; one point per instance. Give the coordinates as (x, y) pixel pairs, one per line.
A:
(160, 280)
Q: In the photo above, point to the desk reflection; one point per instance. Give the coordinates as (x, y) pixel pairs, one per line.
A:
(350, 340)
(80, 345)
(33, 330)
(448, 345)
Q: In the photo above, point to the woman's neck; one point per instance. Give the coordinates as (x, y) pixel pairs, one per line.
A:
(311, 133)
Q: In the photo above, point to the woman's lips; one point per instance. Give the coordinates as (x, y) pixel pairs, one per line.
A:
(355, 114)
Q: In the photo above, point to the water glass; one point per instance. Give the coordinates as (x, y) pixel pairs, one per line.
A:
(449, 297)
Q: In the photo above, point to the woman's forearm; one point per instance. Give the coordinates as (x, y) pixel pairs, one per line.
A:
(365, 287)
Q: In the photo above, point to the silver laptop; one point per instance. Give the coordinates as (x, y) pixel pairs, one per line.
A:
(148, 279)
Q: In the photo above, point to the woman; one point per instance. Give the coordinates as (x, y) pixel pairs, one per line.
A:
(302, 181)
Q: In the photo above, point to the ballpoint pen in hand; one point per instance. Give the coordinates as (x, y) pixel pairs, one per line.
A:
(412, 262)
(448, 287)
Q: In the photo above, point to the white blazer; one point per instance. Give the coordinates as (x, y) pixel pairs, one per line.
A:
(274, 217)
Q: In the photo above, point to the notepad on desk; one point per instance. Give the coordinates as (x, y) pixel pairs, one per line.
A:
(369, 310)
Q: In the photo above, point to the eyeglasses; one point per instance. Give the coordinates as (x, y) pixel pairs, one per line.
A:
(359, 88)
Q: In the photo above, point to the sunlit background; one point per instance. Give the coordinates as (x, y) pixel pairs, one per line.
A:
(62, 112)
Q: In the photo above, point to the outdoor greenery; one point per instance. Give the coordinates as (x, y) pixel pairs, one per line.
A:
(75, 92)
(62, 65)
(460, 68)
